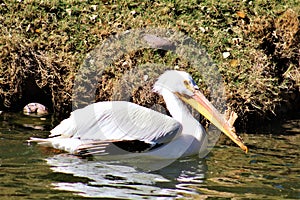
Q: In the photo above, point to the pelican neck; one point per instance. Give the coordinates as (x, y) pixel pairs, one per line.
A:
(176, 107)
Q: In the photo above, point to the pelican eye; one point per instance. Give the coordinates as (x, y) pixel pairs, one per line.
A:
(186, 83)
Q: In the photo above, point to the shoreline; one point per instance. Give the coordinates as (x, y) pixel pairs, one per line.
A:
(257, 51)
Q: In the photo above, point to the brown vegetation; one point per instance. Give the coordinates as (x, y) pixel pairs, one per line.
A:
(43, 44)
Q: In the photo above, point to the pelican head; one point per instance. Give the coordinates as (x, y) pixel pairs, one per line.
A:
(176, 82)
(184, 87)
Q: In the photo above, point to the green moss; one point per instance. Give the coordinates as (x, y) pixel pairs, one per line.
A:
(47, 41)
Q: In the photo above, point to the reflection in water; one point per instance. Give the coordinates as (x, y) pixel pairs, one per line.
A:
(271, 170)
(116, 180)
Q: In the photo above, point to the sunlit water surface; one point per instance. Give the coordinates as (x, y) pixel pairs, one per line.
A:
(270, 171)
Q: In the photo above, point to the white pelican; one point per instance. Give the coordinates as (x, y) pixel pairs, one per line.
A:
(119, 127)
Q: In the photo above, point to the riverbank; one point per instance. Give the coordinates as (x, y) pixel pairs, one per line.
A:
(255, 45)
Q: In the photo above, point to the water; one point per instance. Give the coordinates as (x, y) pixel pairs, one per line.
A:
(270, 171)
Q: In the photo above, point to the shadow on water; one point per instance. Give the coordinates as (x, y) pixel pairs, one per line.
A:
(270, 171)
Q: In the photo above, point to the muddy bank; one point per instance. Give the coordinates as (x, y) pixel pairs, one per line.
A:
(254, 45)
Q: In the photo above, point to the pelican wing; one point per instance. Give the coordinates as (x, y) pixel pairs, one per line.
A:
(115, 147)
(118, 121)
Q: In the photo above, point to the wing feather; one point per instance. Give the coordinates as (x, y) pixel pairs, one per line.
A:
(115, 147)
(118, 120)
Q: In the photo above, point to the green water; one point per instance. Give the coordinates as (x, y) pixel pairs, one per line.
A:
(270, 171)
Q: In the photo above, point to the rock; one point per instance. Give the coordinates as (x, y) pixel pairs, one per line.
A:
(226, 54)
(35, 108)
(159, 42)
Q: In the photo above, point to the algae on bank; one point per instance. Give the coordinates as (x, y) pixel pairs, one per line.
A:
(43, 43)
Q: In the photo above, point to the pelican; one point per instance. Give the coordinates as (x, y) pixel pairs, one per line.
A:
(123, 128)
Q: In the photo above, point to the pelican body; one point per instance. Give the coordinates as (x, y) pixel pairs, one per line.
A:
(123, 128)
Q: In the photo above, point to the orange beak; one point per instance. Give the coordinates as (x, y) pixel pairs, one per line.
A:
(204, 107)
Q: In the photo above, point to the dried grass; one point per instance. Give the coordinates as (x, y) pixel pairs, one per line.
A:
(47, 41)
